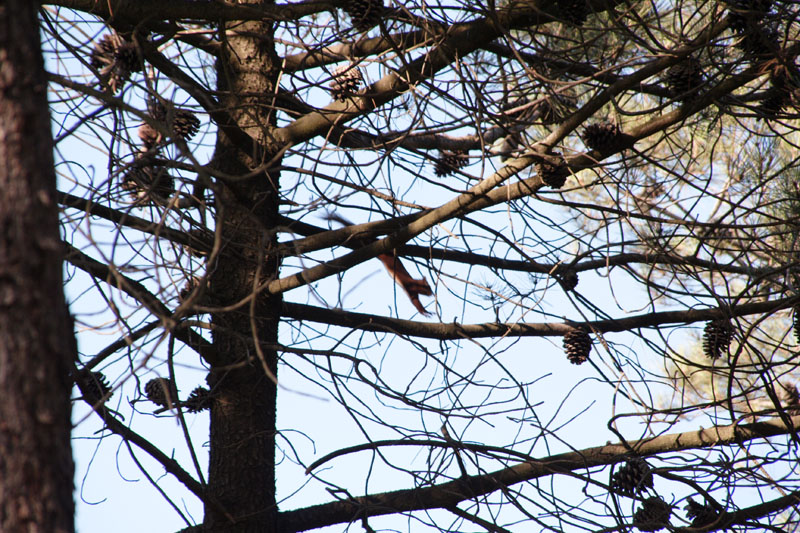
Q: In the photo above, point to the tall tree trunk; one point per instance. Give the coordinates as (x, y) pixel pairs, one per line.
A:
(242, 451)
(36, 338)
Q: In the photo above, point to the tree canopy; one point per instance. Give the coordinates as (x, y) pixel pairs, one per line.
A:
(585, 216)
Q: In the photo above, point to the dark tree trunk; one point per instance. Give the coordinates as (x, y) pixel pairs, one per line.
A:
(242, 451)
(36, 337)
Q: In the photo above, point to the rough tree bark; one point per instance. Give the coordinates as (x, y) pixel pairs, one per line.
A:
(36, 338)
(242, 450)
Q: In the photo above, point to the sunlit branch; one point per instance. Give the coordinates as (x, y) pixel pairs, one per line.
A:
(449, 330)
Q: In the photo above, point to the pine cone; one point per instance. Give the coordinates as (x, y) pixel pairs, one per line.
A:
(652, 515)
(199, 400)
(780, 94)
(200, 242)
(554, 109)
(791, 398)
(450, 162)
(364, 13)
(554, 175)
(573, 11)
(717, 338)
(632, 478)
(97, 387)
(347, 80)
(519, 109)
(160, 391)
(148, 182)
(758, 40)
(796, 323)
(577, 345)
(149, 136)
(188, 289)
(601, 136)
(567, 279)
(745, 12)
(700, 514)
(774, 102)
(103, 52)
(183, 123)
(685, 78)
(114, 58)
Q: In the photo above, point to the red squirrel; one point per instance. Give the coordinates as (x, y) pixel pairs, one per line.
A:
(413, 287)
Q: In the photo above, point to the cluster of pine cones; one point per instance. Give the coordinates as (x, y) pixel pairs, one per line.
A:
(757, 27)
(114, 58)
(751, 22)
(146, 179)
(635, 479)
(162, 392)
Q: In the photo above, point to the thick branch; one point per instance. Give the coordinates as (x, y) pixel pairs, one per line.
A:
(135, 11)
(450, 494)
(451, 330)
